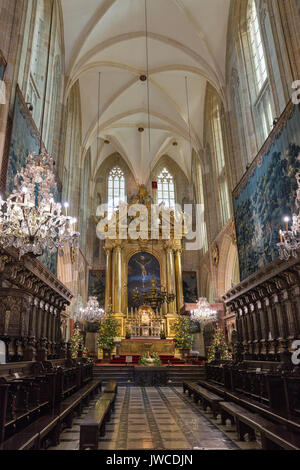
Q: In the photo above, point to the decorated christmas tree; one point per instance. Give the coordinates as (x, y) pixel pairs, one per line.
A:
(107, 332)
(218, 349)
(77, 340)
(183, 338)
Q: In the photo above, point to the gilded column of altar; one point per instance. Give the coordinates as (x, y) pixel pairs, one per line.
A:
(117, 286)
(108, 277)
(170, 274)
(178, 274)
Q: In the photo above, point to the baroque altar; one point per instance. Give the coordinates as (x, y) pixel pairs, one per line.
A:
(134, 267)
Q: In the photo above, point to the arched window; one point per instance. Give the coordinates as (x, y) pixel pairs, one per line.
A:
(165, 189)
(116, 189)
(259, 61)
(261, 90)
(218, 144)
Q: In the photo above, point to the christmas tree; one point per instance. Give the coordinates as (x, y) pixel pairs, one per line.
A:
(218, 349)
(107, 332)
(77, 340)
(183, 338)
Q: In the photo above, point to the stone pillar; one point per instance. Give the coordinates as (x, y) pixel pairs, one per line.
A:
(179, 286)
(108, 278)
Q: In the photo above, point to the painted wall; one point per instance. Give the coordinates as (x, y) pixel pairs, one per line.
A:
(190, 287)
(97, 286)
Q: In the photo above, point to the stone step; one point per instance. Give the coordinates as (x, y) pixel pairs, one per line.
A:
(124, 375)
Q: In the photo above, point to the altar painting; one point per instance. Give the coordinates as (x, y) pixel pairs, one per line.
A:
(142, 268)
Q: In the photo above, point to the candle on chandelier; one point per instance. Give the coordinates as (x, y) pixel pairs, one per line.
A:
(286, 220)
(66, 206)
(281, 236)
(24, 191)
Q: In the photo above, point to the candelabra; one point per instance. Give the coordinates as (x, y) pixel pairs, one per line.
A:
(30, 219)
(92, 312)
(154, 297)
(204, 313)
(290, 237)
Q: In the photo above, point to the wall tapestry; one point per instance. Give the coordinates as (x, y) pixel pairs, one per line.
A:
(25, 139)
(190, 288)
(142, 268)
(266, 194)
(2, 65)
(97, 286)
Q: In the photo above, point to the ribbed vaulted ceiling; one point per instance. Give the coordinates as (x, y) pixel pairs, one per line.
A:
(186, 38)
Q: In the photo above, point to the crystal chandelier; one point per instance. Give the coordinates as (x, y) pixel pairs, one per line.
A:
(204, 313)
(92, 312)
(290, 237)
(30, 219)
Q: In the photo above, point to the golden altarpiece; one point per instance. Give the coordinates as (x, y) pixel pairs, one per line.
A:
(145, 320)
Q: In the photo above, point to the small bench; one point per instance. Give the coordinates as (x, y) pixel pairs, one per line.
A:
(111, 387)
(272, 436)
(206, 397)
(95, 422)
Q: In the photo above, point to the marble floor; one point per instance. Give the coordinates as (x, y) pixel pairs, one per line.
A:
(158, 418)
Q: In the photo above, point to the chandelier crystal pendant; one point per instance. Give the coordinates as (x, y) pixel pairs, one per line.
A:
(92, 312)
(30, 219)
(290, 237)
(204, 313)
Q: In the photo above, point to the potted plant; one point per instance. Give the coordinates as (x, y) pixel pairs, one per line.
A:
(183, 339)
(106, 336)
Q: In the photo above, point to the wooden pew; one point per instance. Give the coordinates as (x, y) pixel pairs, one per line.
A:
(272, 436)
(36, 399)
(94, 423)
(206, 397)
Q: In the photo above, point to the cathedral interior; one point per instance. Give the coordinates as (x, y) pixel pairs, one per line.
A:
(149, 225)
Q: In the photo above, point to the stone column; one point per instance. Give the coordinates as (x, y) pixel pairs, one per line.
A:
(178, 274)
(108, 277)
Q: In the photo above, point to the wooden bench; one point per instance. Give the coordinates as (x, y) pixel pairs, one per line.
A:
(273, 436)
(75, 402)
(94, 423)
(206, 397)
(45, 431)
(111, 388)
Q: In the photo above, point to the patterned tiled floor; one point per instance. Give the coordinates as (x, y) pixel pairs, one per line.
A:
(158, 418)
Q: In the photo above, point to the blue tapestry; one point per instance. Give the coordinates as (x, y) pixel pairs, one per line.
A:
(142, 268)
(190, 289)
(267, 194)
(2, 66)
(24, 140)
(97, 286)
